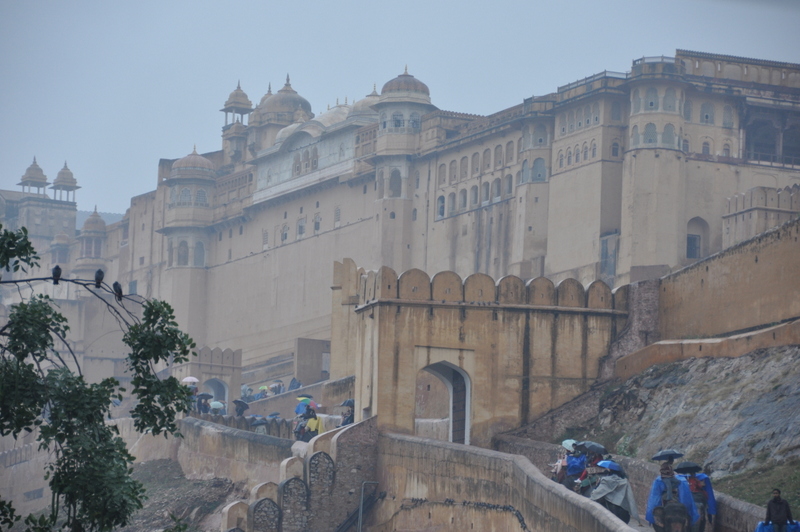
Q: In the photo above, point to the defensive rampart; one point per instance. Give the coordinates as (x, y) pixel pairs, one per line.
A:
(437, 483)
(733, 515)
(749, 285)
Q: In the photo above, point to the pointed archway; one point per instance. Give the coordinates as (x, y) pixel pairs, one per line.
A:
(458, 385)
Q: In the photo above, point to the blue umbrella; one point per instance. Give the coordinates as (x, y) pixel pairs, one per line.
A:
(608, 464)
(300, 408)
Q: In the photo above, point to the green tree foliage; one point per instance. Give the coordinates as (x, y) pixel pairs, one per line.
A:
(41, 386)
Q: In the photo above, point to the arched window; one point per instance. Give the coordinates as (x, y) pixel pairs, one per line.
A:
(510, 152)
(616, 111)
(183, 253)
(496, 191)
(453, 171)
(317, 223)
(201, 198)
(579, 117)
(651, 99)
(615, 149)
(668, 137)
(314, 158)
(476, 163)
(726, 150)
(635, 136)
(473, 195)
(707, 113)
(596, 112)
(696, 238)
(539, 170)
(650, 134)
(284, 233)
(383, 120)
(186, 197)
(637, 101)
(577, 154)
(525, 175)
(498, 156)
(485, 192)
(669, 99)
(540, 135)
(413, 121)
(199, 254)
(395, 184)
(687, 110)
(727, 116)
(569, 157)
(464, 173)
(296, 165)
(706, 148)
(509, 184)
(451, 203)
(306, 161)
(442, 176)
(560, 159)
(462, 199)
(440, 207)
(397, 120)
(585, 152)
(487, 159)
(594, 150)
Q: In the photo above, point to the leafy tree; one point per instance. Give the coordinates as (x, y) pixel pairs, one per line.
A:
(42, 386)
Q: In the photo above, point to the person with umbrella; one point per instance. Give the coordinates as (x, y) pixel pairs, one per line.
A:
(614, 492)
(589, 477)
(670, 506)
(576, 464)
(202, 402)
(702, 493)
(241, 406)
(347, 418)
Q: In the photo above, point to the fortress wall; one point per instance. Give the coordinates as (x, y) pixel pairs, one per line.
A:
(209, 451)
(755, 282)
(734, 346)
(328, 393)
(733, 515)
(431, 478)
(22, 478)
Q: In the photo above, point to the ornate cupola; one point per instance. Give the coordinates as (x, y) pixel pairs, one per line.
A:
(33, 178)
(237, 104)
(64, 184)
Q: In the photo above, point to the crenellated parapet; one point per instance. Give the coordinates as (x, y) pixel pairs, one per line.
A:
(757, 210)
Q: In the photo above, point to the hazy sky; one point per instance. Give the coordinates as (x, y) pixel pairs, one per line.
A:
(111, 86)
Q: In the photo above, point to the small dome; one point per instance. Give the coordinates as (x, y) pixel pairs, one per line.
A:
(363, 107)
(334, 115)
(34, 175)
(405, 82)
(193, 165)
(288, 102)
(266, 96)
(94, 224)
(65, 178)
(284, 133)
(238, 100)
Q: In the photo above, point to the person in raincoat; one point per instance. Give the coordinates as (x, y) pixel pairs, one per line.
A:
(670, 506)
(576, 464)
(614, 492)
(704, 499)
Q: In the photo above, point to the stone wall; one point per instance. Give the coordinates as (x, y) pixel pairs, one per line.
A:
(209, 450)
(329, 394)
(438, 481)
(756, 282)
(733, 515)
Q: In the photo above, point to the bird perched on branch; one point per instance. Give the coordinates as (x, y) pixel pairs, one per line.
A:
(56, 273)
(117, 290)
(98, 278)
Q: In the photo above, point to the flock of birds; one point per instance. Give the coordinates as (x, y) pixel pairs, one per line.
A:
(99, 275)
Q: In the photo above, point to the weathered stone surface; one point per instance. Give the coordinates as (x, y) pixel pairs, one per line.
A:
(264, 515)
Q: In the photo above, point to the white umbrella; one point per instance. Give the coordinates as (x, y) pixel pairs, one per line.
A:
(190, 379)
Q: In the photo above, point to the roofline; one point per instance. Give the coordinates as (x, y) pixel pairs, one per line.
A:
(735, 58)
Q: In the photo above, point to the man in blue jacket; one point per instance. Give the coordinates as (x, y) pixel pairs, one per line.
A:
(670, 503)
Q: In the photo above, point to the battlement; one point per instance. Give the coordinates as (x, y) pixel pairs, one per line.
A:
(757, 210)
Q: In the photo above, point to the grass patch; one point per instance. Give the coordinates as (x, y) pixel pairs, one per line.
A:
(755, 486)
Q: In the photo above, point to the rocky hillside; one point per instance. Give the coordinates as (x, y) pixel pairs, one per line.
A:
(737, 415)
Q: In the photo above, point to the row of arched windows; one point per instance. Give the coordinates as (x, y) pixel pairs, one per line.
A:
(653, 102)
(582, 117)
(182, 252)
(486, 194)
(395, 184)
(398, 120)
(649, 137)
(707, 112)
(460, 170)
(184, 197)
(583, 153)
(306, 162)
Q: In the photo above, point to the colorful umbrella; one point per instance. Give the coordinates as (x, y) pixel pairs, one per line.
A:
(216, 404)
(265, 387)
(190, 379)
(306, 396)
(307, 400)
(568, 445)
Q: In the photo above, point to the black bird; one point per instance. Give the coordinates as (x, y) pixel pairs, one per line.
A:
(117, 290)
(98, 278)
(56, 273)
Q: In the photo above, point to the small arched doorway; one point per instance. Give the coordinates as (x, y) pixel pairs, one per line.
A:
(458, 388)
(218, 388)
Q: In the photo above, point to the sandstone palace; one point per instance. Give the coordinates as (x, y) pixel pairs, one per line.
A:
(620, 176)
